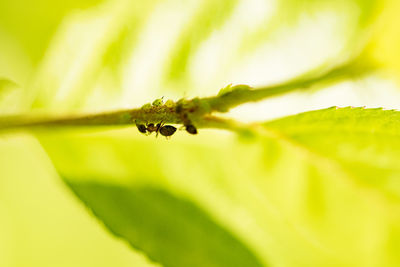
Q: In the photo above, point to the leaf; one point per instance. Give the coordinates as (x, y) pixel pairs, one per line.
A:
(27, 30)
(10, 97)
(34, 30)
(385, 40)
(170, 230)
(112, 54)
(365, 142)
(293, 197)
(41, 221)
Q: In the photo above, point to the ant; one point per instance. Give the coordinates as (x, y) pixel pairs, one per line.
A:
(190, 129)
(165, 130)
(142, 128)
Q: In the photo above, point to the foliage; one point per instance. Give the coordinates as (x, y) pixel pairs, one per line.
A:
(294, 184)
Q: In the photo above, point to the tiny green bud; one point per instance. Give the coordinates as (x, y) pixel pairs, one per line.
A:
(229, 88)
(225, 90)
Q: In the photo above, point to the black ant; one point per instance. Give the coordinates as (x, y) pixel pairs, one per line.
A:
(191, 129)
(142, 128)
(165, 130)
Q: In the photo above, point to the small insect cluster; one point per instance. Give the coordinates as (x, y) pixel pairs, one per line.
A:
(166, 130)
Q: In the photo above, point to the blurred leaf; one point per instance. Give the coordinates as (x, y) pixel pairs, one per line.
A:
(10, 97)
(169, 230)
(27, 31)
(83, 65)
(123, 53)
(316, 188)
(41, 222)
(209, 17)
(34, 23)
(364, 141)
(357, 15)
(15, 65)
(362, 10)
(386, 38)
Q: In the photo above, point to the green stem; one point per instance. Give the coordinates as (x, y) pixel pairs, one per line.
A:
(242, 95)
(195, 110)
(121, 117)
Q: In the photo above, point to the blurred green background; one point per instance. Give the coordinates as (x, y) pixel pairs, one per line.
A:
(92, 56)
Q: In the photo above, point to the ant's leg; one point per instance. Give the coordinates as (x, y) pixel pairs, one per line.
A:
(159, 125)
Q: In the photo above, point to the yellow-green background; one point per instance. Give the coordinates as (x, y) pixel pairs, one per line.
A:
(88, 56)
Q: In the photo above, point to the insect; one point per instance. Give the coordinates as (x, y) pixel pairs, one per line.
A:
(158, 102)
(153, 128)
(191, 129)
(165, 130)
(141, 127)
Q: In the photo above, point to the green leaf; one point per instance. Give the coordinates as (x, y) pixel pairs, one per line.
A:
(10, 97)
(41, 221)
(364, 142)
(293, 197)
(107, 54)
(33, 24)
(170, 230)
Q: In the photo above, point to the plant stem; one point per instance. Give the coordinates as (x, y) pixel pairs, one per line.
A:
(195, 110)
(121, 117)
(224, 102)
